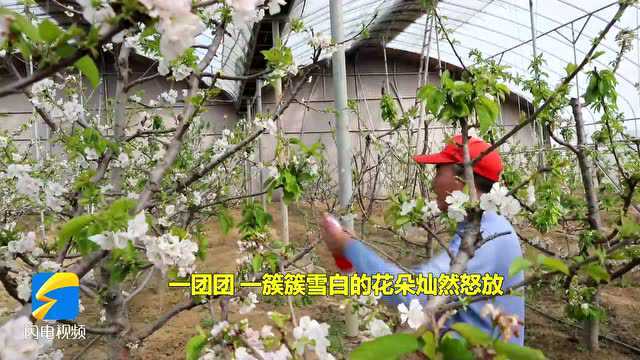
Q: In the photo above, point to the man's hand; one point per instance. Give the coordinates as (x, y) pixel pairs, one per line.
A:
(335, 236)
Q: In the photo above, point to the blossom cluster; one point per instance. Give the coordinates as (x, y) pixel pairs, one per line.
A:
(413, 315)
(137, 229)
(97, 13)
(15, 344)
(169, 250)
(312, 332)
(268, 344)
(163, 252)
(31, 186)
(499, 200)
(178, 26)
(457, 201)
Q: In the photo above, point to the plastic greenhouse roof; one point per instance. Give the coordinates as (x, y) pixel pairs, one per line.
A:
(232, 56)
(499, 28)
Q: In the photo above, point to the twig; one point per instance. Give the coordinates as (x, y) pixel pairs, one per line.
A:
(140, 80)
(446, 35)
(141, 287)
(621, 8)
(166, 317)
(222, 76)
(50, 70)
(404, 268)
(255, 351)
(438, 239)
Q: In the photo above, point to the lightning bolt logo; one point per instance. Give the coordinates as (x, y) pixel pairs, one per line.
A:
(65, 302)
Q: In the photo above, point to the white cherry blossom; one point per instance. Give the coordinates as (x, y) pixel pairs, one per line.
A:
(169, 250)
(18, 170)
(179, 34)
(407, 207)
(14, 344)
(24, 286)
(274, 6)
(248, 303)
(312, 330)
(321, 41)
(245, 11)
(137, 227)
(123, 160)
(91, 154)
(499, 200)
(49, 265)
(26, 244)
(430, 209)
(181, 72)
(413, 316)
(219, 328)
(169, 96)
(178, 26)
(456, 201)
(377, 328)
(98, 15)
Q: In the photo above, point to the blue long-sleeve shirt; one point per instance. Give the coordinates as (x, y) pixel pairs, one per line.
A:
(495, 256)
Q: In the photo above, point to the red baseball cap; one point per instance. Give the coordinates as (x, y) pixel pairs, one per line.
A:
(490, 166)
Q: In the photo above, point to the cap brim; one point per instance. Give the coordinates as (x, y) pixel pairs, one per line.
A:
(438, 158)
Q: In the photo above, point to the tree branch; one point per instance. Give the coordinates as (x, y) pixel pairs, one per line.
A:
(621, 8)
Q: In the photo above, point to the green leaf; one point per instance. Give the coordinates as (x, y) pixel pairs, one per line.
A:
(516, 352)
(195, 345)
(402, 220)
(570, 68)
(629, 228)
(429, 348)
(386, 347)
(72, 228)
(473, 335)
(596, 271)
(454, 349)
(487, 111)
(388, 110)
(256, 263)
(596, 55)
(279, 319)
(65, 50)
(553, 264)
(87, 67)
(49, 31)
(25, 26)
(519, 264)
(433, 97)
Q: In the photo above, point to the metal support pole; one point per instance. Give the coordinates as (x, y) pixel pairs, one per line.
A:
(343, 139)
(259, 111)
(247, 168)
(277, 94)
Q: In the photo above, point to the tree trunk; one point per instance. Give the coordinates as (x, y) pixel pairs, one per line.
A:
(591, 326)
(115, 308)
(586, 169)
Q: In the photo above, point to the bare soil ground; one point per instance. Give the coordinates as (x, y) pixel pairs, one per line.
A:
(557, 340)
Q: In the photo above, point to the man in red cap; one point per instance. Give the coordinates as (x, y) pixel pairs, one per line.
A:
(493, 257)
